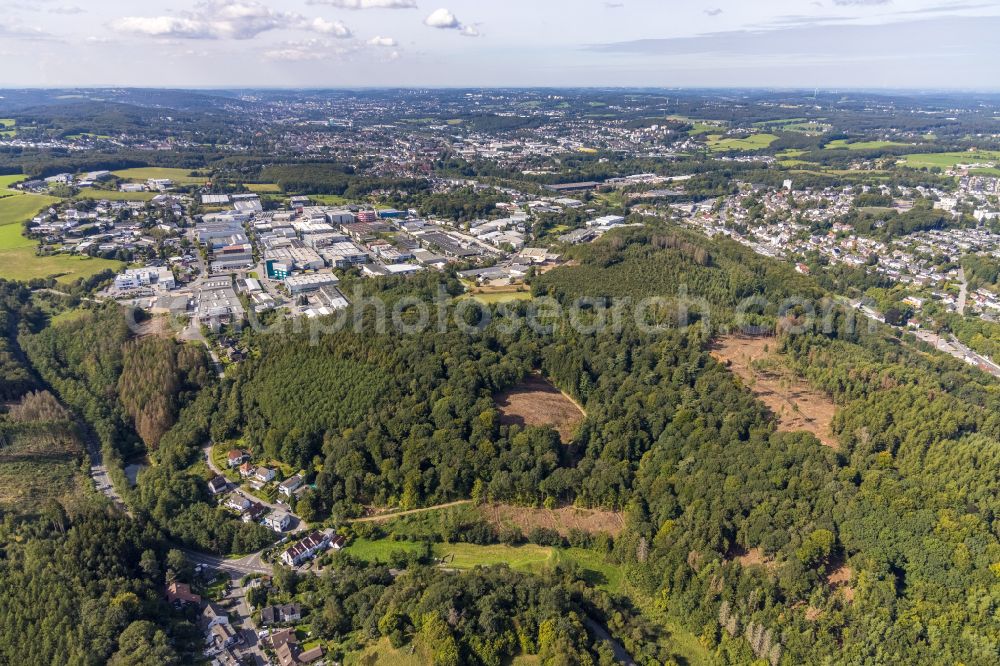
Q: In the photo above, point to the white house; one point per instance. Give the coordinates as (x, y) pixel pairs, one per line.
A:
(265, 474)
(279, 521)
(290, 485)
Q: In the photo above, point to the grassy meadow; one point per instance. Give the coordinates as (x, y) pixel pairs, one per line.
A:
(179, 176)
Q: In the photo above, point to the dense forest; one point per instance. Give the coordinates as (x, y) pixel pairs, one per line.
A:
(143, 397)
(86, 589)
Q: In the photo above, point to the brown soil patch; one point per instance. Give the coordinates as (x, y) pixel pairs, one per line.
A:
(535, 402)
(157, 325)
(793, 400)
(750, 558)
(840, 579)
(561, 520)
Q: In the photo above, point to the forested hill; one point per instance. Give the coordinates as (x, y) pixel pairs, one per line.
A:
(757, 540)
(764, 542)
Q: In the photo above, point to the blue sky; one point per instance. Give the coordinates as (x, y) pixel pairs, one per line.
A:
(320, 43)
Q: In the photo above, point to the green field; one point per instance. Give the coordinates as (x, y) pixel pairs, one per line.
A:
(840, 144)
(801, 125)
(179, 176)
(329, 199)
(947, 160)
(720, 144)
(383, 654)
(502, 297)
(263, 188)
(18, 260)
(6, 182)
(7, 126)
(380, 550)
(20, 207)
(114, 195)
(528, 557)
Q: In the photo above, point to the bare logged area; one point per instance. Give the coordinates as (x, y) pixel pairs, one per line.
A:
(840, 579)
(753, 557)
(561, 520)
(535, 402)
(797, 405)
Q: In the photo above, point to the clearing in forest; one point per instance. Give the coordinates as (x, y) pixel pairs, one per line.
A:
(840, 579)
(561, 520)
(535, 402)
(797, 405)
(750, 557)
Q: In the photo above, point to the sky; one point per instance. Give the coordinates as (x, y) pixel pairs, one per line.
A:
(922, 44)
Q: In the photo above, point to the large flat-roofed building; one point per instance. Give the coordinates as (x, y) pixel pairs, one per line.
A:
(217, 304)
(332, 297)
(573, 187)
(448, 245)
(344, 254)
(136, 278)
(301, 284)
(300, 258)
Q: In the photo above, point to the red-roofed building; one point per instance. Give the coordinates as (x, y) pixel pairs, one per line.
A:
(180, 594)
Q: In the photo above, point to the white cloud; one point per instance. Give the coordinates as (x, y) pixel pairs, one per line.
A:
(367, 4)
(387, 42)
(67, 10)
(332, 28)
(295, 54)
(443, 19)
(226, 19)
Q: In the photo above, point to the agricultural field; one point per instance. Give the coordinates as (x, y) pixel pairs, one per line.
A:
(528, 557)
(840, 144)
(536, 402)
(720, 144)
(8, 128)
(263, 188)
(700, 126)
(330, 199)
(801, 125)
(20, 207)
(179, 176)
(18, 260)
(793, 401)
(949, 160)
(493, 295)
(7, 182)
(114, 195)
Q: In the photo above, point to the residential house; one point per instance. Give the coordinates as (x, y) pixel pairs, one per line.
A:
(238, 503)
(213, 614)
(236, 457)
(264, 474)
(180, 594)
(290, 485)
(254, 512)
(315, 543)
(282, 613)
(247, 470)
(222, 635)
(279, 521)
(217, 485)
